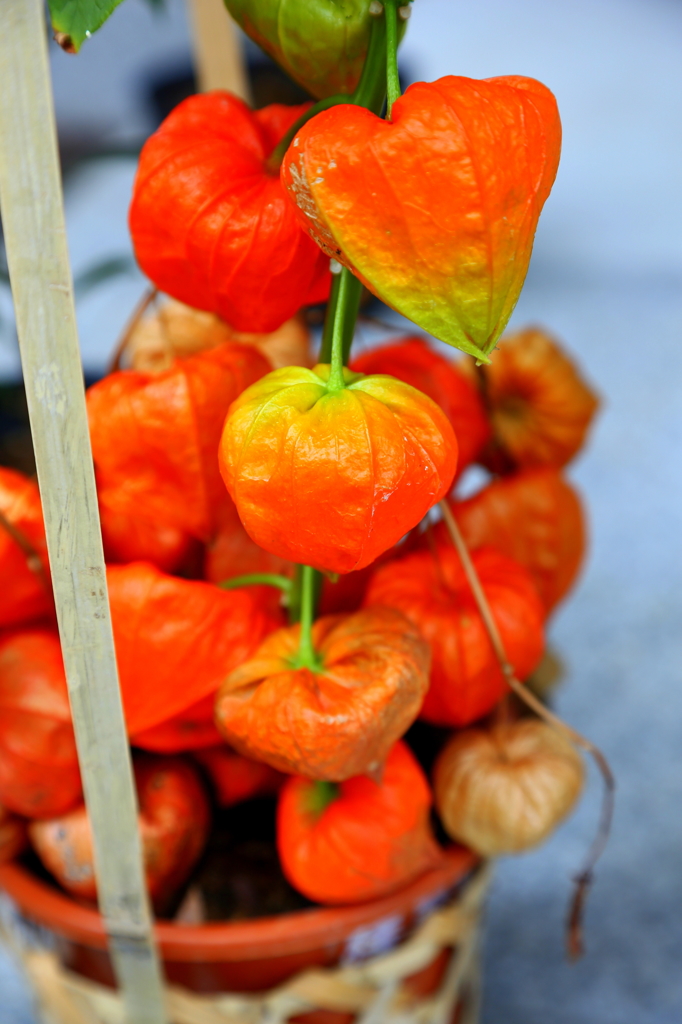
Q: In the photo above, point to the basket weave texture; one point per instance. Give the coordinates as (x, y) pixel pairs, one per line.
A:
(374, 990)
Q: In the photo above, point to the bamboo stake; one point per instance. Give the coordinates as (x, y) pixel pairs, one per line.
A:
(33, 219)
(217, 50)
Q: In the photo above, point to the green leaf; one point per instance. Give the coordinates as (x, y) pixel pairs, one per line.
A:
(74, 21)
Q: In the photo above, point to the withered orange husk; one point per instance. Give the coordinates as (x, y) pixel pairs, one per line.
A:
(39, 774)
(332, 478)
(339, 721)
(155, 437)
(505, 789)
(540, 406)
(433, 592)
(174, 822)
(25, 593)
(367, 839)
(534, 516)
(176, 331)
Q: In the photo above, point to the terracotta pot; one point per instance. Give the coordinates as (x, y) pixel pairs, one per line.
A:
(254, 955)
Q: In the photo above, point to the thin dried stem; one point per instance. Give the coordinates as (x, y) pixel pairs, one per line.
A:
(33, 559)
(141, 308)
(584, 879)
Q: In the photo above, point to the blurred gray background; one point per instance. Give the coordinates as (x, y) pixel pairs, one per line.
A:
(606, 277)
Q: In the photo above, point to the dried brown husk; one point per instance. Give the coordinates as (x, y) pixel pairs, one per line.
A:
(504, 789)
(174, 330)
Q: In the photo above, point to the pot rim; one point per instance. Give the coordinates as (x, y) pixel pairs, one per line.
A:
(256, 939)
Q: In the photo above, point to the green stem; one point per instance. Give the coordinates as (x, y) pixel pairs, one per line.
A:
(350, 315)
(343, 322)
(306, 656)
(392, 77)
(370, 91)
(267, 579)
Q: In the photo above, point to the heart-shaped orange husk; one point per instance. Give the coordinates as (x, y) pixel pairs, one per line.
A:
(435, 211)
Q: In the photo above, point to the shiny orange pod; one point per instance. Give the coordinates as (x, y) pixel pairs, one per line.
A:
(340, 720)
(540, 406)
(174, 822)
(236, 778)
(210, 222)
(176, 640)
(155, 437)
(434, 210)
(412, 361)
(333, 477)
(39, 774)
(359, 839)
(433, 592)
(535, 517)
(25, 593)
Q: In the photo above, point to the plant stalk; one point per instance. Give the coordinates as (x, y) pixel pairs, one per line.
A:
(584, 879)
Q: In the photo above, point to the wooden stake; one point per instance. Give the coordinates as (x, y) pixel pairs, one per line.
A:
(217, 49)
(35, 237)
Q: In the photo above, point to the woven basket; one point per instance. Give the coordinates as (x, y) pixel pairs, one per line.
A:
(377, 991)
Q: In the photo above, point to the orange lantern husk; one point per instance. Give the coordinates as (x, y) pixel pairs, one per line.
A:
(210, 222)
(412, 361)
(334, 477)
(433, 592)
(39, 774)
(176, 640)
(434, 209)
(339, 720)
(535, 517)
(236, 778)
(540, 407)
(25, 592)
(155, 437)
(358, 840)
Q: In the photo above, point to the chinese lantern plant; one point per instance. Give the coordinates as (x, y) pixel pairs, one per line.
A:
(358, 839)
(327, 468)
